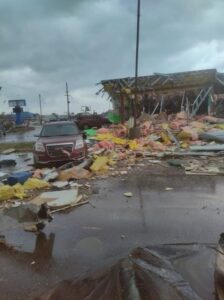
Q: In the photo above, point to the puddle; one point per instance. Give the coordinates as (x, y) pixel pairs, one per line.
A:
(23, 162)
(74, 247)
(21, 137)
(91, 246)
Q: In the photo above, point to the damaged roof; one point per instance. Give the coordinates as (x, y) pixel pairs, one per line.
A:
(167, 82)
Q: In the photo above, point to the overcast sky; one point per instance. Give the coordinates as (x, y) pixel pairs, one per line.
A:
(44, 43)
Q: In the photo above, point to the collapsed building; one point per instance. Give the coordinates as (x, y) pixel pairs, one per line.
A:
(196, 92)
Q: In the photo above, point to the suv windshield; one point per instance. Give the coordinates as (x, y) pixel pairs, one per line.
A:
(59, 130)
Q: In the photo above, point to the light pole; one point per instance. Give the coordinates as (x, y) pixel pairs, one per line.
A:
(136, 59)
(41, 116)
(68, 101)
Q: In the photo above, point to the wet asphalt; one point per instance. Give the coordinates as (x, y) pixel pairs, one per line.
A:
(96, 235)
(27, 136)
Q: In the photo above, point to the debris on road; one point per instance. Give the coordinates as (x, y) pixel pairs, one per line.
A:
(57, 199)
(19, 177)
(167, 141)
(8, 151)
(33, 183)
(7, 163)
(128, 194)
(78, 203)
(3, 176)
(60, 184)
(9, 192)
(73, 173)
(168, 189)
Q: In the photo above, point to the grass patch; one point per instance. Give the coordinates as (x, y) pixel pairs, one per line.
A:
(20, 129)
(19, 147)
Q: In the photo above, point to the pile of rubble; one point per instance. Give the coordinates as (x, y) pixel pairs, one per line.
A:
(195, 146)
(162, 137)
(32, 197)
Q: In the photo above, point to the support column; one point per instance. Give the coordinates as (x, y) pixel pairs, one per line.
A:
(122, 112)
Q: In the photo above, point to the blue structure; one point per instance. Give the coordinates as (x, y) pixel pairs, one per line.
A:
(17, 109)
(23, 117)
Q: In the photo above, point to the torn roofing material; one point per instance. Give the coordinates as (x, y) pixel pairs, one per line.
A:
(165, 82)
(144, 274)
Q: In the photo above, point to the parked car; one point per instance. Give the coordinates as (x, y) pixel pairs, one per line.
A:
(59, 142)
(85, 121)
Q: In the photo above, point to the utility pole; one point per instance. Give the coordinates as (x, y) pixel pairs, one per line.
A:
(68, 101)
(41, 116)
(136, 60)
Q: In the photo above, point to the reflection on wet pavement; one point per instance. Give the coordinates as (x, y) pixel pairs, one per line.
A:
(28, 136)
(152, 273)
(44, 246)
(88, 238)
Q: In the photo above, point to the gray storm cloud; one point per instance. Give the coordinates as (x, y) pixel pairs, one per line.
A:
(45, 43)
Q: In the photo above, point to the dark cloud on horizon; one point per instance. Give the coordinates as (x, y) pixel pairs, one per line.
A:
(47, 42)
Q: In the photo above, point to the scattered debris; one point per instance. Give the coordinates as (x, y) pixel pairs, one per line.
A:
(175, 162)
(91, 228)
(128, 194)
(209, 147)
(3, 176)
(73, 173)
(19, 177)
(51, 176)
(123, 172)
(35, 227)
(9, 192)
(33, 183)
(168, 189)
(57, 199)
(70, 206)
(213, 136)
(60, 184)
(100, 164)
(8, 151)
(7, 163)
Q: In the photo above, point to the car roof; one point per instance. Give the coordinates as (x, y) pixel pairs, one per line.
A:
(59, 122)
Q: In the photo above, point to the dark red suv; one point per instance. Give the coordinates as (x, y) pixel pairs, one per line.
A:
(59, 142)
(85, 121)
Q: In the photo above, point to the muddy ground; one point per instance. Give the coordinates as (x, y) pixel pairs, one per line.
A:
(95, 236)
